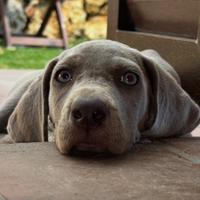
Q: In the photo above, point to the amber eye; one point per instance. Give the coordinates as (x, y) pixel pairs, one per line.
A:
(64, 76)
(130, 78)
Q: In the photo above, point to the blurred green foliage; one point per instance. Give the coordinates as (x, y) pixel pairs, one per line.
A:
(30, 57)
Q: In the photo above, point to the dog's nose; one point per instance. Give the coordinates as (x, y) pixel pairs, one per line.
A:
(88, 112)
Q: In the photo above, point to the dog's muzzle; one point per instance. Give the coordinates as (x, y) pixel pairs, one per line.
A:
(91, 122)
(87, 115)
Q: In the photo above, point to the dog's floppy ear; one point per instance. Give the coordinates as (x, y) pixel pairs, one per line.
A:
(45, 89)
(172, 111)
(28, 122)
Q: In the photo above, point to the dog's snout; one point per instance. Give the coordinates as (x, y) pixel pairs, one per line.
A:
(88, 112)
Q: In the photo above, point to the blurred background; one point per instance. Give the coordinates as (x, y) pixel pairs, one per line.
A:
(84, 20)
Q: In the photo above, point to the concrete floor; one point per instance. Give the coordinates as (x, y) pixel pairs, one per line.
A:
(164, 169)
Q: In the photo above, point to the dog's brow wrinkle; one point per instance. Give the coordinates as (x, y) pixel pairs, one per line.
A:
(119, 63)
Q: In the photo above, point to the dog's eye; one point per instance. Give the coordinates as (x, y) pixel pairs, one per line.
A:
(64, 76)
(129, 78)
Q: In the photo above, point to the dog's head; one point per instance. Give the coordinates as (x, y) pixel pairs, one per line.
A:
(103, 96)
(98, 97)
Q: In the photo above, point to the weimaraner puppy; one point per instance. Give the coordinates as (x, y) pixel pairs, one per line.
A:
(100, 96)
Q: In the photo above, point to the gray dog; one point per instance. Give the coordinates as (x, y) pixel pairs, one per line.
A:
(100, 96)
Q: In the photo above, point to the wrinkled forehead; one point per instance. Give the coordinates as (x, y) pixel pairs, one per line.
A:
(99, 53)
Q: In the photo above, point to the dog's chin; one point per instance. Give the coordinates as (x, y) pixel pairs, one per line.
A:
(83, 143)
(77, 146)
(88, 149)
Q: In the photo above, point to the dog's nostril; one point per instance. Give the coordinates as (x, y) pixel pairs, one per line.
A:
(98, 116)
(77, 114)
